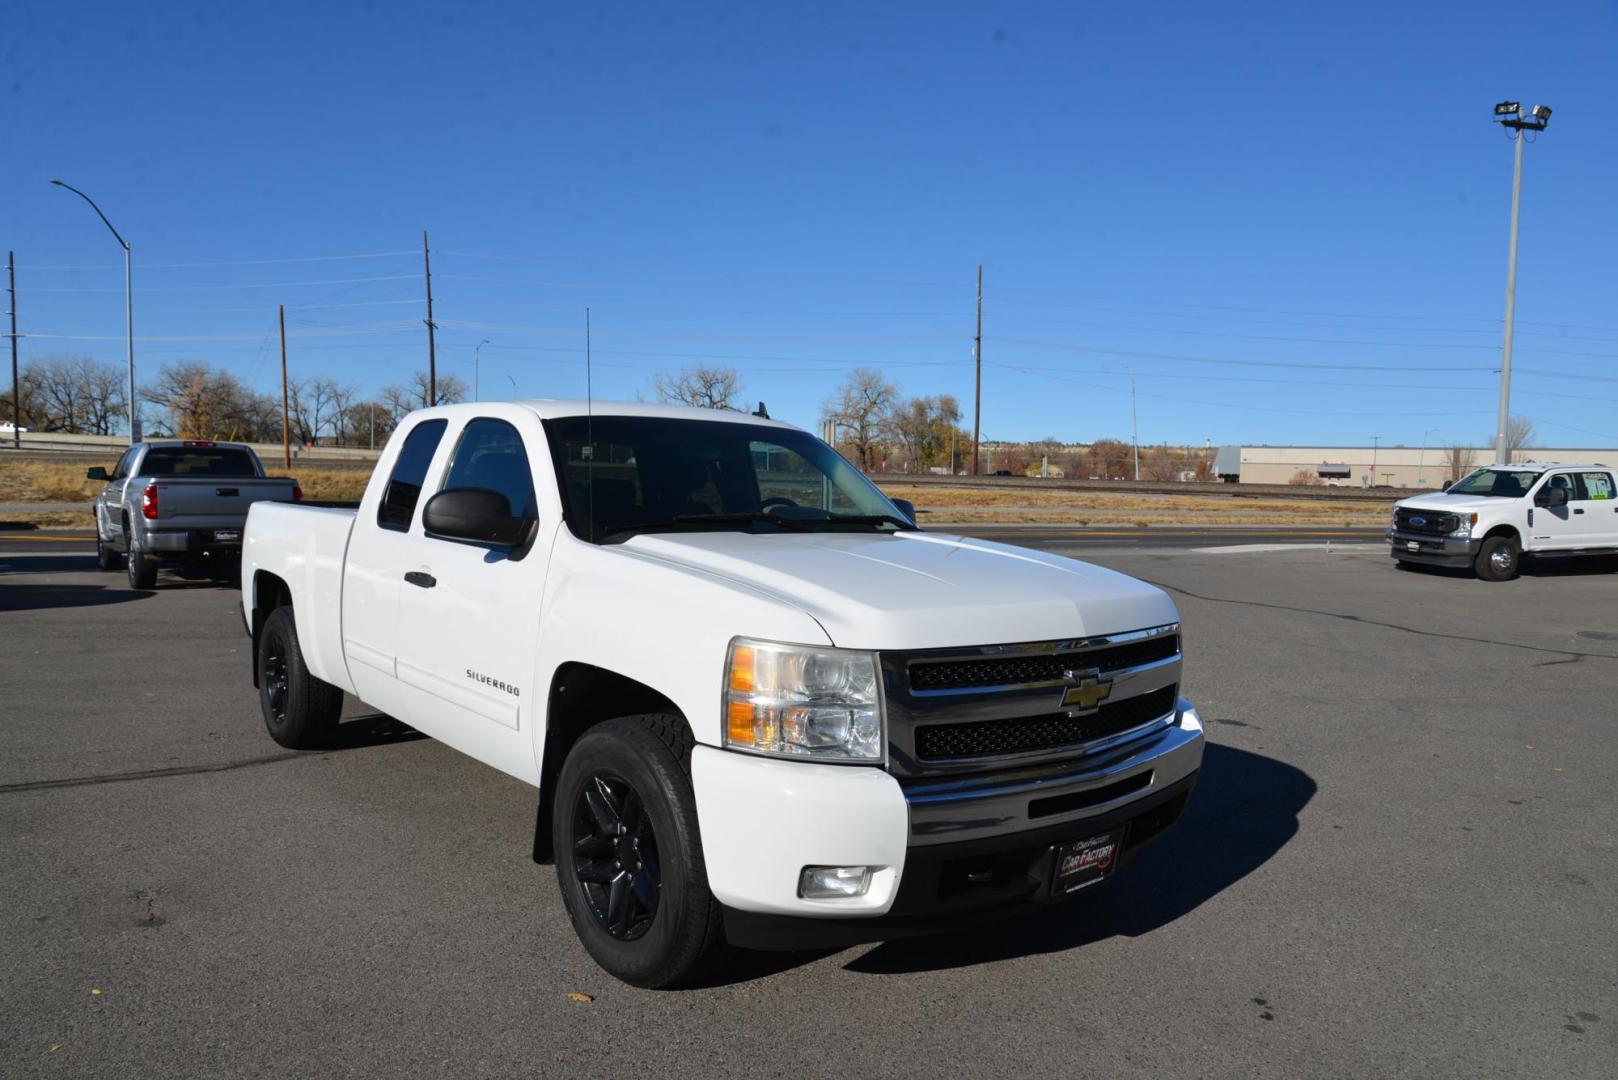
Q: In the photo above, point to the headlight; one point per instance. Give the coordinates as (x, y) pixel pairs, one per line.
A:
(800, 701)
(1464, 529)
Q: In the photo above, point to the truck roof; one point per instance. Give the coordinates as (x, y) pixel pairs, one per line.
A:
(194, 443)
(1546, 466)
(556, 408)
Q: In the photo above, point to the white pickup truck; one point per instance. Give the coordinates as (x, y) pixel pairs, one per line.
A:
(761, 707)
(1494, 516)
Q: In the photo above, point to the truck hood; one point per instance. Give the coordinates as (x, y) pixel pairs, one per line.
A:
(914, 590)
(1454, 504)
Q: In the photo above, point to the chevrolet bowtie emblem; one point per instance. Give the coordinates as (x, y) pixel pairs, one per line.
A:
(1088, 691)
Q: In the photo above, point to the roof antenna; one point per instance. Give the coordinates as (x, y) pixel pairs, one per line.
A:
(589, 450)
(761, 411)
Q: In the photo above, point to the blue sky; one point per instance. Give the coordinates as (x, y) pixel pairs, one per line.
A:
(1289, 220)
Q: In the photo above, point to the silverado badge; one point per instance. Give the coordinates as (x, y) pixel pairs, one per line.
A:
(1088, 690)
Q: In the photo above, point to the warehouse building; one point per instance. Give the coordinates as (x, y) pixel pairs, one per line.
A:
(1374, 466)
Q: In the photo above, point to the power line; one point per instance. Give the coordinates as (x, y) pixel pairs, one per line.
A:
(255, 285)
(233, 262)
(1180, 358)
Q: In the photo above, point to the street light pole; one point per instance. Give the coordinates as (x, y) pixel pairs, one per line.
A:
(1375, 442)
(513, 383)
(1509, 115)
(129, 308)
(475, 368)
(1421, 462)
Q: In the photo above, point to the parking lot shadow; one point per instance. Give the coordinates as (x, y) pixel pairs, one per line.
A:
(1244, 810)
(41, 597)
(375, 729)
(50, 564)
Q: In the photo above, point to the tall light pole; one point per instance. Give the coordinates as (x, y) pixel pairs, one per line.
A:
(1376, 441)
(513, 383)
(1509, 115)
(478, 349)
(1421, 462)
(129, 309)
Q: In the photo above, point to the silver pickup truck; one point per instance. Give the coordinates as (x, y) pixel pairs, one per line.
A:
(180, 501)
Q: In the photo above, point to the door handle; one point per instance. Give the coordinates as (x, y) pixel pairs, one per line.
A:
(1577, 511)
(416, 577)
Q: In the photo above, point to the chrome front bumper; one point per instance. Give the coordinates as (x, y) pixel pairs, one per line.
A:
(1003, 803)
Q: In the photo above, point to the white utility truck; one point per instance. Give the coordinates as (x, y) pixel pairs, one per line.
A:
(1494, 516)
(761, 707)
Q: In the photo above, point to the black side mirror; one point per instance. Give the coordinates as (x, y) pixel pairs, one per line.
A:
(1447, 483)
(96, 472)
(475, 514)
(1553, 497)
(906, 507)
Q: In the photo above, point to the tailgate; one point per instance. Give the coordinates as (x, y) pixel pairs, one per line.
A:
(214, 502)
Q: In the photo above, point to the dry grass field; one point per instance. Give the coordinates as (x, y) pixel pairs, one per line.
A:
(32, 481)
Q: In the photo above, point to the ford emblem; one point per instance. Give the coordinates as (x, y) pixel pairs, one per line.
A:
(1418, 521)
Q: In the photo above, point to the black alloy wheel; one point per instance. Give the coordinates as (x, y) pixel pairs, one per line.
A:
(275, 679)
(615, 857)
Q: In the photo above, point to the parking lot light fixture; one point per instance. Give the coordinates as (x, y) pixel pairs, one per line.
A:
(1509, 115)
(129, 318)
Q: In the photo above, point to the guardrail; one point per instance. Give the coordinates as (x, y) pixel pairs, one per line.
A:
(1143, 487)
(56, 445)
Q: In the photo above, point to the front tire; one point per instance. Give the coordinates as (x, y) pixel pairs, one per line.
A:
(106, 557)
(629, 856)
(300, 711)
(1498, 559)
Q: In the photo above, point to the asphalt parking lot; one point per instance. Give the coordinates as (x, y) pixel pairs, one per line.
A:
(1400, 861)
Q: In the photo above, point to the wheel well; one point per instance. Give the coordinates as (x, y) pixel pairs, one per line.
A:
(269, 592)
(581, 696)
(1505, 530)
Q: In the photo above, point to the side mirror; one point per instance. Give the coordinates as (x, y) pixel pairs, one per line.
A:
(1553, 497)
(906, 507)
(96, 472)
(1447, 483)
(475, 514)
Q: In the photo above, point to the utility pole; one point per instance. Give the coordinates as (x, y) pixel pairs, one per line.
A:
(1509, 115)
(286, 425)
(16, 387)
(432, 351)
(1375, 440)
(977, 394)
(1134, 426)
(372, 411)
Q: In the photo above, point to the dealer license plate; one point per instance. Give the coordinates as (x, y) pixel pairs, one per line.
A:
(228, 536)
(1082, 863)
(1412, 545)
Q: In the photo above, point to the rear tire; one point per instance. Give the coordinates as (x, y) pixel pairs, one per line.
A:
(1498, 559)
(142, 570)
(300, 711)
(629, 855)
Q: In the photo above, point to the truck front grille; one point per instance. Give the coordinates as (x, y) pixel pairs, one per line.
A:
(988, 738)
(1051, 667)
(1434, 522)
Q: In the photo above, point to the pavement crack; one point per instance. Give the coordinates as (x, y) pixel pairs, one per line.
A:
(1572, 655)
(148, 774)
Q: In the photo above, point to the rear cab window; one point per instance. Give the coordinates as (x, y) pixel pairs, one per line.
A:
(1596, 486)
(399, 498)
(204, 461)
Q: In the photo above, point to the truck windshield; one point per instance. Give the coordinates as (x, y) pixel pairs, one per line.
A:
(210, 461)
(1499, 483)
(622, 475)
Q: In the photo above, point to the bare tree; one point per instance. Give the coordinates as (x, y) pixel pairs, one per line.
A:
(860, 407)
(370, 417)
(1108, 458)
(1458, 461)
(201, 403)
(704, 386)
(1160, 465)
(415, 395)
(1519, 436)
(70, 393)
(1305, 478)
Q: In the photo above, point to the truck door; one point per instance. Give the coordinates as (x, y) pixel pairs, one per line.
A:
(380, 553)
(1595, 511)
(1555, 528)
(469, 612)
(109, 501)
